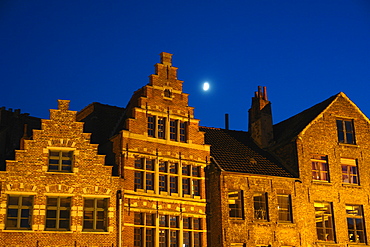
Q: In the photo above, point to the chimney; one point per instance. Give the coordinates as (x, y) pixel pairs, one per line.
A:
(260, 119)
(226, 121)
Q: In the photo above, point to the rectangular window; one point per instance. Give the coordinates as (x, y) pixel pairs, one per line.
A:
(324, 221)
(58, 213)
(95, 214)
(196, 187)
(349, 171)
(346, 133)
(60, 161)
(260, 206)
(235, 202)
(355, 223)
(144, 174)
(182, 131)
(19, 212)
(161, 127)
(138, 237)
(151, 129)
(284, 208)
(173, 130)
(320, 170)
(186, 186)
(144, 231)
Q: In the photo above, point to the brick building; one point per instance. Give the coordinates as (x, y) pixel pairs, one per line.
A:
(149, 175)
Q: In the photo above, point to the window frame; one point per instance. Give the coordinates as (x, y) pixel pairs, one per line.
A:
(350, 175)
(60, 158)
(95, 218)
(325, 227)
(356, 218)
(346, 131)
(285, 208)
(20, 207)
(260, 213)
(58, 208)
(235, 203)
(320, 168)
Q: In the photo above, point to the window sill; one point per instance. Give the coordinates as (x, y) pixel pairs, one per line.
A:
(95, 232)
(15, 230)
(63, 173)
(348, 145)
(351, 185)
(321, 182)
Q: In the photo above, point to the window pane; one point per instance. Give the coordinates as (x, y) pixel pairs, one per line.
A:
(260, 206)
(235, 204)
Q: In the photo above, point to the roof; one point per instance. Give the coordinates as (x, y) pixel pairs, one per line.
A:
(235, 151)
(288, 129)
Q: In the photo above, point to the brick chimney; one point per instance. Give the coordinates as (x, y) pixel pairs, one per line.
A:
(260, 119)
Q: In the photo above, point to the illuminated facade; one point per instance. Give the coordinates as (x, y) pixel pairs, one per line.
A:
(154, 177)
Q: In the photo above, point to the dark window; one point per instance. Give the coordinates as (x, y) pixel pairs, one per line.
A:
(145, 175)
(19, 212)
(349, 171)
(284, 208)
(173, 184)
(167, 93)
(173, 130)
(144, 232)
(151, 126)
(138, 183)
(58, 212)
(197, 239)
(161, 127)
(186, 170)
(346, 133)
(324, 221)
(163, 238)
(260, 206)
(186, 186)
(320, 170)
(138, 237)
(173, 238)
(182, 131)
(95, 214)
(355, 223)
(235, 202)
(60, 161)
(196, 187)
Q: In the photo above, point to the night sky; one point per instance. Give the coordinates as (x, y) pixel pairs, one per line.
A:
(102, 51)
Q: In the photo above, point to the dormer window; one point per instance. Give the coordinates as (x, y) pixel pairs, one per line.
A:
(346, 132)
(167, 93)
(60, 161)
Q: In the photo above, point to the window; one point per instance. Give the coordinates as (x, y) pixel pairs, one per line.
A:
(58, 211)
(324, 221)
(192, 232)
(355, 223)
(161, 127)
(95, 214)
(173, 130)
(191, 180)
(60, 161)
(19, 212)
(168, 230)
(260, 206)
(182, 131)
(349, 171)
(284, 208)
(235, 202)
(144, 230)
(320, 169)
(167, 93)
(144, 168)
(346, 133)
(168, 177)
(151, 126)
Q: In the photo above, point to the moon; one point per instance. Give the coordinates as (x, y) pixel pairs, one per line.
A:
(205, 86)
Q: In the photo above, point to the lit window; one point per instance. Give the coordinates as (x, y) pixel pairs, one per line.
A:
(346, 133)
(60, 161)
(349, 171)
(161, 127)
(95, 214)
(235, 202)
(151, 126)
(284, 208)
(320, 169)
(19, 212)
(260, 206)
(58, 212)
(355, 223)
(324, 221)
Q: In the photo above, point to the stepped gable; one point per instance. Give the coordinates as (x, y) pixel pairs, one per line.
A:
(288, 129)
(235, 151)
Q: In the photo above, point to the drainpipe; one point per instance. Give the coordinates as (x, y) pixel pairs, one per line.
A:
(119, 197)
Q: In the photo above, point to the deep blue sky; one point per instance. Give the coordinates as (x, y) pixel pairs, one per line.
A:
(102, 51)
